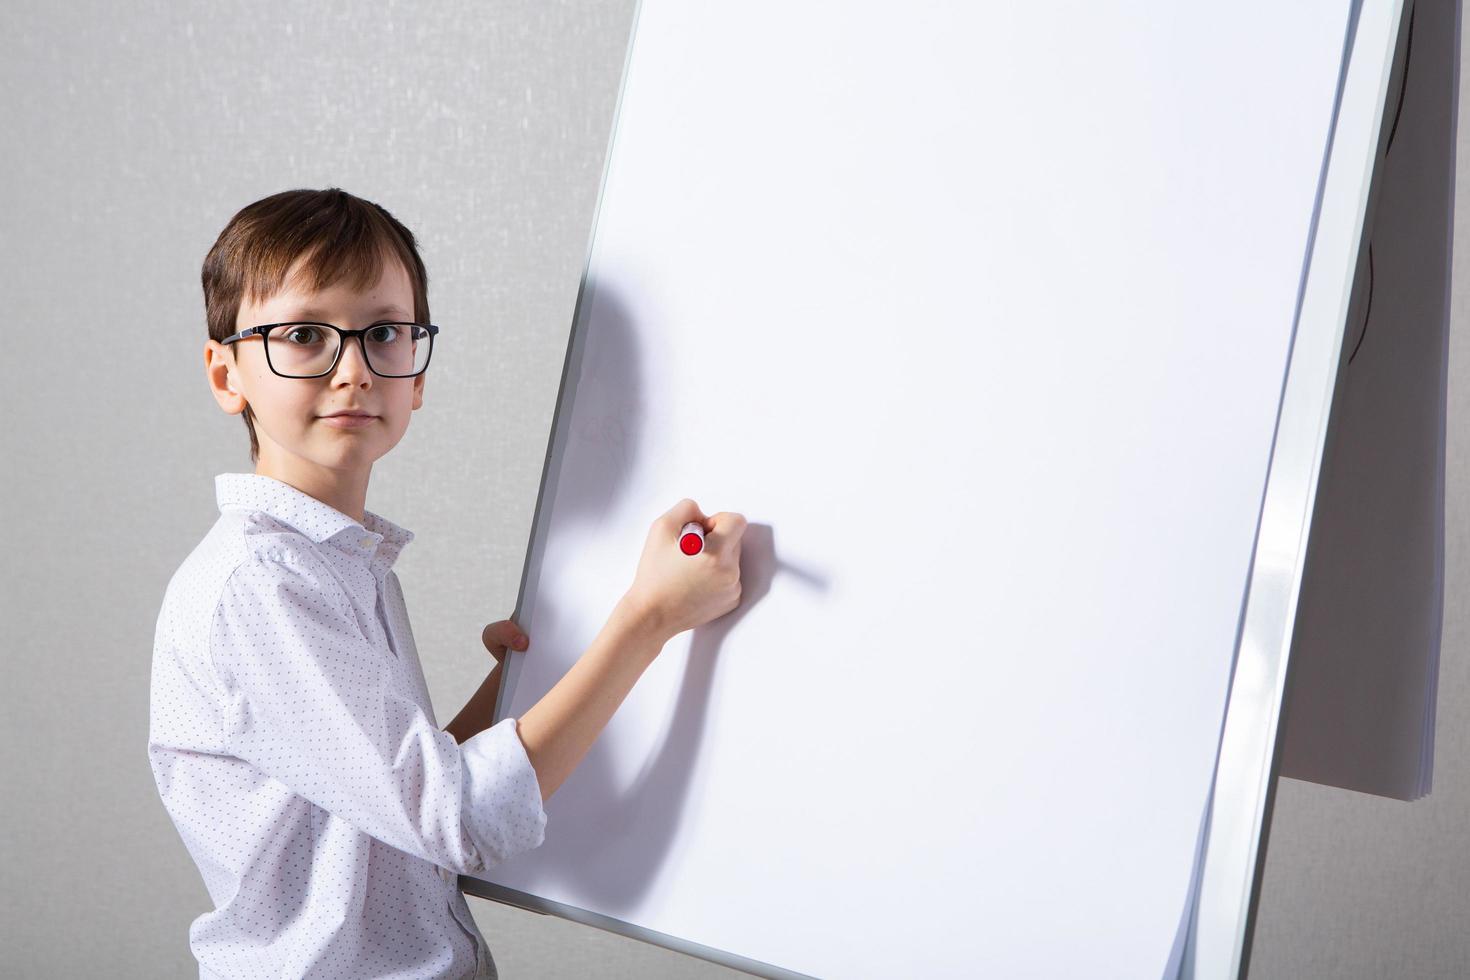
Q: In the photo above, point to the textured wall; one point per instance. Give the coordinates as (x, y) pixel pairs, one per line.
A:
(131, 133)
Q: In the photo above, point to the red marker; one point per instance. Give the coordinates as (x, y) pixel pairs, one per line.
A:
(691, 538)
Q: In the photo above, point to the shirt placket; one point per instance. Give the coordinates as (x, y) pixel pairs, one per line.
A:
(472, 934)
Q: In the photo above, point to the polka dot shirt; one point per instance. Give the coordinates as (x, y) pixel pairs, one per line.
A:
(294, 746)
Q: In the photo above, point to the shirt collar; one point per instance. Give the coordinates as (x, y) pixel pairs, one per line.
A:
(375, 539)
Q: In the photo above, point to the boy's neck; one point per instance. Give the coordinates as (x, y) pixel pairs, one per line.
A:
(341, 490)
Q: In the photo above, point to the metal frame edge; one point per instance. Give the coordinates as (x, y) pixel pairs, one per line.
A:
(1222, 921)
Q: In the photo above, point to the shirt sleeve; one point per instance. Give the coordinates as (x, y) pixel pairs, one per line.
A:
(311, 703)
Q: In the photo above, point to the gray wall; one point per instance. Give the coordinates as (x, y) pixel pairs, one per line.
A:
(131, 133)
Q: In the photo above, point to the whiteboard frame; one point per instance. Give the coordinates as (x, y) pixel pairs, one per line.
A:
(1224, 899)
(1222, 922)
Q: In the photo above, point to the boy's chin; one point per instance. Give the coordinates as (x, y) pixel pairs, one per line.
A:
(343, 451)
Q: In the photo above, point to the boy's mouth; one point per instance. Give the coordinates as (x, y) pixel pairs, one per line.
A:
(348, 420)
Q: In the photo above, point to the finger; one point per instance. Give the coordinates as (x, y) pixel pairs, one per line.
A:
(490, 636)
(728, 523)
(682, 513)
(725, 532)
(502, 634)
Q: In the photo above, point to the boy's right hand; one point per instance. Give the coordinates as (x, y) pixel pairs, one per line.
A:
(682, 591)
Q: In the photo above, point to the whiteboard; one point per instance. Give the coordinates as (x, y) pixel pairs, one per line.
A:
(980, 314)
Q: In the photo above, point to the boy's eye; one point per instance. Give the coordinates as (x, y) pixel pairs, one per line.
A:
(301, 335)
(383, 333)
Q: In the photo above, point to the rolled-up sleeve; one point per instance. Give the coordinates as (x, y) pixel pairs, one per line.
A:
(312, 704)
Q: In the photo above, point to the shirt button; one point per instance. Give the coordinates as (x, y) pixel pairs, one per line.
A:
(446, 874)
(366, 542)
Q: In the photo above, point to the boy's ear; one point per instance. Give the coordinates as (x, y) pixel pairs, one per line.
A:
(418, 390)
(218, 368)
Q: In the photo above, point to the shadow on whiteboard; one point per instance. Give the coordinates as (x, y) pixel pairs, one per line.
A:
(608, 407)
(607, 835)
(613, 840)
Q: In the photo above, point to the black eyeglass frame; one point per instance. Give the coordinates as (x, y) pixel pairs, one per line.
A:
(343, 337)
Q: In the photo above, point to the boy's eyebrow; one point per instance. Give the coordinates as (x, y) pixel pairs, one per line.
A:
(308, 312)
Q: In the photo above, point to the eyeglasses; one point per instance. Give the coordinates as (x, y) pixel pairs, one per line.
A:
(304, 349)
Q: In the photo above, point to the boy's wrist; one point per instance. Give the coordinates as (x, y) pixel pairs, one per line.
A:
(641, 618)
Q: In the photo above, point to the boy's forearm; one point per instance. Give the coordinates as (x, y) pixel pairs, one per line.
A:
(479, 711)
(558, 730)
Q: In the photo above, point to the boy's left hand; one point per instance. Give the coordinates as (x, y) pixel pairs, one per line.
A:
(501, 635)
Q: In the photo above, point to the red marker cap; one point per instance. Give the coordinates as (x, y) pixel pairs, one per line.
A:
(691, 538)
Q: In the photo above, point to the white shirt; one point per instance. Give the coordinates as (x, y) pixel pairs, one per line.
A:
(294, 746)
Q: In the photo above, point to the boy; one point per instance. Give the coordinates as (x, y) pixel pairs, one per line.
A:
(291, 735)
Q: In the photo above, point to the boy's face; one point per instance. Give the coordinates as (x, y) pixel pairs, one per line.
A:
(294, 438)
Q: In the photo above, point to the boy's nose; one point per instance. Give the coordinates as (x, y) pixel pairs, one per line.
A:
(352, 364)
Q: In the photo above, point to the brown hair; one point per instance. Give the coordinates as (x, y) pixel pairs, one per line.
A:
(344, 236)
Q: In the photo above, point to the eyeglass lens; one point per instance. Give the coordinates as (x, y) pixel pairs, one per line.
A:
(307, 350)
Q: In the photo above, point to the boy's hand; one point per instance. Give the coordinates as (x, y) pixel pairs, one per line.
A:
(681, 591)
(500, 636)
